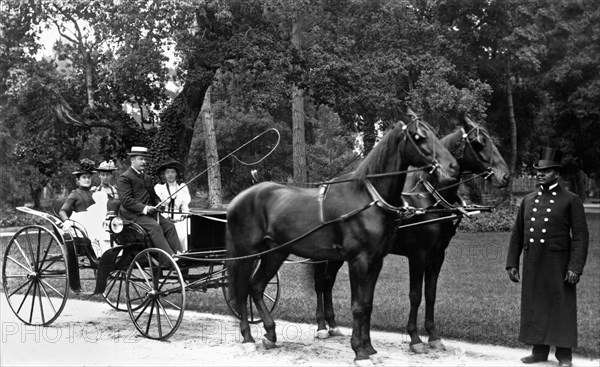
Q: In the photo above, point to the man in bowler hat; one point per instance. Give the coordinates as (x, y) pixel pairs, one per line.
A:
(551, 231)
(139, 203)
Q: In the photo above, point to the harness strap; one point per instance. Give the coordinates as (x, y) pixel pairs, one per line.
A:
(440, 199)
(384, 204)
(323, 190)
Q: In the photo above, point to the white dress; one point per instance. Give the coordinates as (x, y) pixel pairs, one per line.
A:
(92, 219)
(179, 201)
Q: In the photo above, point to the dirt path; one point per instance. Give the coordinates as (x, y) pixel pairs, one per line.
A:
(92, 334)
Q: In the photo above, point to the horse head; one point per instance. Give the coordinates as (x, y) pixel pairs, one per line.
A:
(476, 152)
(424, 147)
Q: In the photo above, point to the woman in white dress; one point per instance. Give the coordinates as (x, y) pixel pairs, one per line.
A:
(175, 197)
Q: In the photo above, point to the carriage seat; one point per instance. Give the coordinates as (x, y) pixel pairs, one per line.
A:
(57, 204)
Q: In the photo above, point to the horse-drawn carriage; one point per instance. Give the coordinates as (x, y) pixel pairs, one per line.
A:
(353, 218)
(43, 263)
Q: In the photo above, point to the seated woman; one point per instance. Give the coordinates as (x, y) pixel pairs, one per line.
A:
(87, 209)
(105, 172)
(175, 197)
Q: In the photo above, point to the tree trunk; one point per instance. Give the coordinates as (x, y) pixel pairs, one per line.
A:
(513, 130)
(298, 131)
(212, 156)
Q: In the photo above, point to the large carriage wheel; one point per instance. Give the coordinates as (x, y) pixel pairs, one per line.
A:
(35, 275)
(155, 294)
(271, 297)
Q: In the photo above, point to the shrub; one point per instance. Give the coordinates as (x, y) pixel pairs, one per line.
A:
(501, 219)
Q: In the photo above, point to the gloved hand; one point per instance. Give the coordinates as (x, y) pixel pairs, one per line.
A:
(572, 277)
(67, 224)
(513, 274)
(151, 210)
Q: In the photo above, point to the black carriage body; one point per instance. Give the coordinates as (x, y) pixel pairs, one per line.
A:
(207, 231)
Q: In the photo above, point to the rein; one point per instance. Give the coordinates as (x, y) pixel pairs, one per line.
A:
(290, 242)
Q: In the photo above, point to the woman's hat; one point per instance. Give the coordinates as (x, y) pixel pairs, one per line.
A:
(138, 151)
(549, 158)
(86, 166)
(107, 166)
(170, 163)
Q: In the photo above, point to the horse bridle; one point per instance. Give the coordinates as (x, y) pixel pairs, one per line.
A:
(468, 142)
(434, 162)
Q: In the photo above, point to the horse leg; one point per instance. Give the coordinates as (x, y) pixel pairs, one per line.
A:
(358, 271)
(332, 269)
(269, 265)
(416, 270)
(320, 280)
(372, 276)
(242, 289)
(431, 279)
(363, 277)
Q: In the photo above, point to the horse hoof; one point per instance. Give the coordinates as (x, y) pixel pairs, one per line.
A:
(322, 334)
(363, 362)
(335, 332)
(437, 344)
(268, 344)
(249, 347)
(418, 348)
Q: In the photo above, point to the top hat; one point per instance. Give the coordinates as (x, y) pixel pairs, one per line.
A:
(549, 158)
(170, 163)
(85, 166)
(107, 166)
(138, 151)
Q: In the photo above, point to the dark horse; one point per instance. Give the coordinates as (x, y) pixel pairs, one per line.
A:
(349, 220)
(424, 245)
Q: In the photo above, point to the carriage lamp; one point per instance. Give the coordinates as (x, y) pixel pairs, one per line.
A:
(115, 225)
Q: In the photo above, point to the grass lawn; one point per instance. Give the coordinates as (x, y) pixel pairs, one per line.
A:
(476, 301)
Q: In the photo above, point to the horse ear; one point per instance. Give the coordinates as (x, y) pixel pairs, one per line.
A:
(466, 122)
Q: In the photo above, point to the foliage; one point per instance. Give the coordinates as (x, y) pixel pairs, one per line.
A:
(501, 219)
(365, 60)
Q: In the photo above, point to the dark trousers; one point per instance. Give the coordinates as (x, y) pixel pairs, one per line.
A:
(562, 354)
(162, 233)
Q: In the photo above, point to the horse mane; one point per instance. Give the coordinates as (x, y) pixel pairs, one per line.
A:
(376, 160)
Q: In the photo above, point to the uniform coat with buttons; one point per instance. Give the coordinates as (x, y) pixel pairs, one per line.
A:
(551, 232)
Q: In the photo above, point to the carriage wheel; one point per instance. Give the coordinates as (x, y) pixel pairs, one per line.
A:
(271, 297)
(114, 294)
(35, 275)
(155, 294)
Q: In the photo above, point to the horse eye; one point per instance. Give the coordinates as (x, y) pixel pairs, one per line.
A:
(417, 136)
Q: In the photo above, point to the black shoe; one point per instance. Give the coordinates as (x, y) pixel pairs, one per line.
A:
(534, 359)
(565, 363)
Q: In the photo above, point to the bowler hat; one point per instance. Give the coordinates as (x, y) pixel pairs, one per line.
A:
(85, 166)
(170, 163)
(549, 158)
(107, 166)
(138, 151)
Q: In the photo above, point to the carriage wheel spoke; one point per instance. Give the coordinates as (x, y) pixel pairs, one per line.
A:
(150, 317)
(145, 303)
(158, 322)
(54, 289)
(24, 267)
(39, 295)
(29, 264)
(47, 297)
(35, 285)
(31, 283)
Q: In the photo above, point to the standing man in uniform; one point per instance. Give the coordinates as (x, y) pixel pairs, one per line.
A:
(551, 231)
(139, 201)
